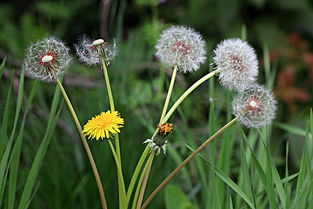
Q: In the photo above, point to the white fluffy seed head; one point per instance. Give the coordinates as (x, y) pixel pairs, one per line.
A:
(236, 63)
(254, 107)
(88, 53)
(47, 59)
(181, 46)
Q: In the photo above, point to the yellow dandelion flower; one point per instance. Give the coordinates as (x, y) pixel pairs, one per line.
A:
(101, 126)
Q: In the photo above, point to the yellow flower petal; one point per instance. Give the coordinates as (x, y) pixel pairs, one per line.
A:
(104, 124)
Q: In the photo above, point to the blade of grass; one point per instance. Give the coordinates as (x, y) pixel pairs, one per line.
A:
(2, 68)
(256, 162)
(269, 181)
(5, 121)
(16, 152)
(247, 184)
(211, 191)
(32, 175)
(283, 181)
(228, 181)
(4, 161)
(277, 180)
(231, 206)
(291, 129)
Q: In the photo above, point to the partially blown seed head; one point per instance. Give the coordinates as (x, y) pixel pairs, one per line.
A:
(254, 107)
(89, 51)
(47, 59)
(236, 63)
(181, 46)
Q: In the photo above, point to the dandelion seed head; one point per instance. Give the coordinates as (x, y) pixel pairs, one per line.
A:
(47, 59)
(88, 50)
(181, 46)
(103, 125)
(254, 107)
(236, 63)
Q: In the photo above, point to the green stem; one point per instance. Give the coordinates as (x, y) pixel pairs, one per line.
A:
(169, 93)
(135, 200)
(185, 94)
(164, 120)
(145, 173)
(122, 199)
(145, 180)
(111, 101)
(138, 169)
(88, 151)
(120, 179)
(190, 157)
(136, 173)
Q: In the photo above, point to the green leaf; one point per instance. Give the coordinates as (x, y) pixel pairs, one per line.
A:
(291, 129)
(176, 199)
(32, 175)
(2, 67)
(6, 149)
(229, 182)
(56, 10)
(5, 121)
(147, 2)
(246, 174)
(16, 152)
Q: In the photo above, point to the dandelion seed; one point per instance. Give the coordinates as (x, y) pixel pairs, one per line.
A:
(47, 59)
(236, 63)
(89, 51)
(254, 107)
(104, 125)
(181, 46)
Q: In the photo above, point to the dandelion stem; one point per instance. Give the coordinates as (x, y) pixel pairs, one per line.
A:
(169, 93)
(136, 173)
(120, 179)
(190, 157)
(145, 180)
(135, 200)
(185, 94)
(137, 170)
(145, 173)
(123, 199)
(88, 151)
(163, 120)
(111, 101)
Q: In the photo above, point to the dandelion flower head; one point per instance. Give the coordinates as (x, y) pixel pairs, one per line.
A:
(103, 125)
(254, 107)
(236, 63)
(89, 51)
(181, 46)
(47, 59)
(165, 129)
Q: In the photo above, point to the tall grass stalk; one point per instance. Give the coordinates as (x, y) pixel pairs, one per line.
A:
(37, 162)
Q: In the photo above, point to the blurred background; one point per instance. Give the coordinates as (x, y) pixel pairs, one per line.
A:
(281, 31)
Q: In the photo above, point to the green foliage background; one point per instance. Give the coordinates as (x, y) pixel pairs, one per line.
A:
(139, 85)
